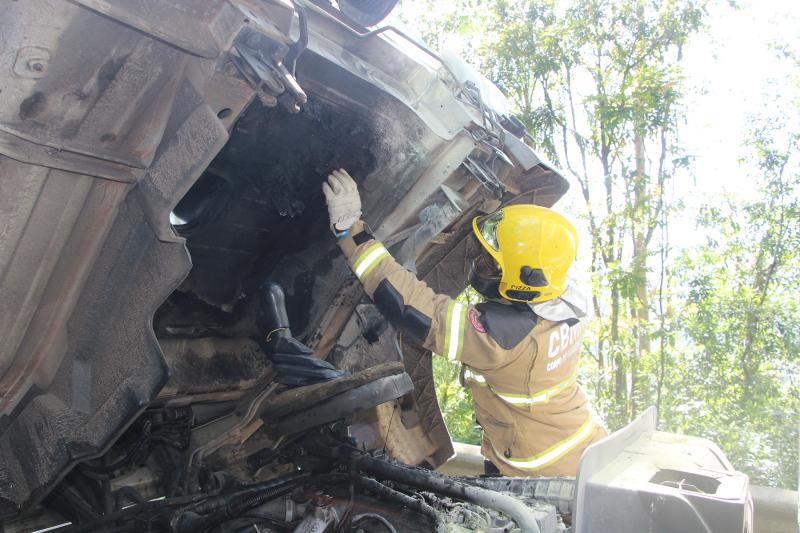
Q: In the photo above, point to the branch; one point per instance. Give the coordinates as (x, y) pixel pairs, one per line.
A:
(662, 178)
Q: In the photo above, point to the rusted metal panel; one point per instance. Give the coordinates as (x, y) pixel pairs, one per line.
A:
(183, 25)
(53, 226)
(104, 90)
(85, 257)
(111, 365)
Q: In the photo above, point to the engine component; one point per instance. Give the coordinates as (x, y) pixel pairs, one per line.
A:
(384, 492)
(213, 510)
(511, 507)
(319, 515)
(558, 491)
(247, 424)
(304, 398)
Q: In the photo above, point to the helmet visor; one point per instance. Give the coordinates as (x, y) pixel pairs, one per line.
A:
(487, 226)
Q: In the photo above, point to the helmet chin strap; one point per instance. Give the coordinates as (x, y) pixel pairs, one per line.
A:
(487, 287)
(571, 305)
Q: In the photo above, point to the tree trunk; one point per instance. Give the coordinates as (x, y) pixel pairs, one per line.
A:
(640, 222)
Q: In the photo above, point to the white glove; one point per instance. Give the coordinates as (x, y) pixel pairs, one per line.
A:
(344, 203)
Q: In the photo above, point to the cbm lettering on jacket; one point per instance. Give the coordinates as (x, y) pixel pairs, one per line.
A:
(521, 368)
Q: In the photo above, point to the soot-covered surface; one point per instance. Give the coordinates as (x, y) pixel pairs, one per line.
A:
(260, 199)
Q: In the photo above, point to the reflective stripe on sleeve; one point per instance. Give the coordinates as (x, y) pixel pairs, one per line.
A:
(369, 259)
(541, 397)
(552, 454)
(454, 330)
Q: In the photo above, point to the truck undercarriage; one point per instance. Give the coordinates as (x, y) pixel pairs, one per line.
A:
(160, 163)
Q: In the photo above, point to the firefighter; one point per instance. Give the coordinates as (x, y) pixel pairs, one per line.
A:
(518, 350)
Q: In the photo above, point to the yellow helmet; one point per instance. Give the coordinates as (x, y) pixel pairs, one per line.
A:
(533, 247)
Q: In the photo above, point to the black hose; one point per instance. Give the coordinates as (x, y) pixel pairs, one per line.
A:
(201, 510)
(273, 303)
(383, 492)
(127, 492)
(151, 507)
(558, 491)
(509, 506)
(205, 514)
(192, 522)
(254, 500)
(99, 472)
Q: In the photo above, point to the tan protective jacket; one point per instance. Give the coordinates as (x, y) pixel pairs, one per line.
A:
(521, 368)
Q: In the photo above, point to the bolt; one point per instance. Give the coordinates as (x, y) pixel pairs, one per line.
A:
(35, 65)
(267, 99)
(278, 51)
(320, 499)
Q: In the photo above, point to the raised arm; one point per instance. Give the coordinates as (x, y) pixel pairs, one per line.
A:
(449, 328)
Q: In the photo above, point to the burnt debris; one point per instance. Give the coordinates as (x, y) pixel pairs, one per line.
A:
(259, 203)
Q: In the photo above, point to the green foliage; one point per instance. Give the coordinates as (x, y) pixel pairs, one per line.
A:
(741, 364)
(455, 401)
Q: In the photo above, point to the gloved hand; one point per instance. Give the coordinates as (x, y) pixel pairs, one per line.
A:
(344, 203)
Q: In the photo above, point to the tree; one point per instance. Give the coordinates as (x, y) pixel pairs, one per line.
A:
(598, 86)
(455, 401)
(742, 359)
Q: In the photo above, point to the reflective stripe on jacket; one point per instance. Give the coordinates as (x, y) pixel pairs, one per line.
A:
(540, 397)
(522, 369)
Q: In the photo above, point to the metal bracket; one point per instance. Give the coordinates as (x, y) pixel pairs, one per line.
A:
(261, 61)
(487, 178)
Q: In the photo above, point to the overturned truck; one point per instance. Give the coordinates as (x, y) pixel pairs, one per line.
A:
(159, 163)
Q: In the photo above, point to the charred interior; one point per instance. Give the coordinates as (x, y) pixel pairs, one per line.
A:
(257, 209)
(171, 409)
(257, 213)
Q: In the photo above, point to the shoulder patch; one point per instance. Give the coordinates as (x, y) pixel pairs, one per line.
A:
(474, 319)
(506, 324)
